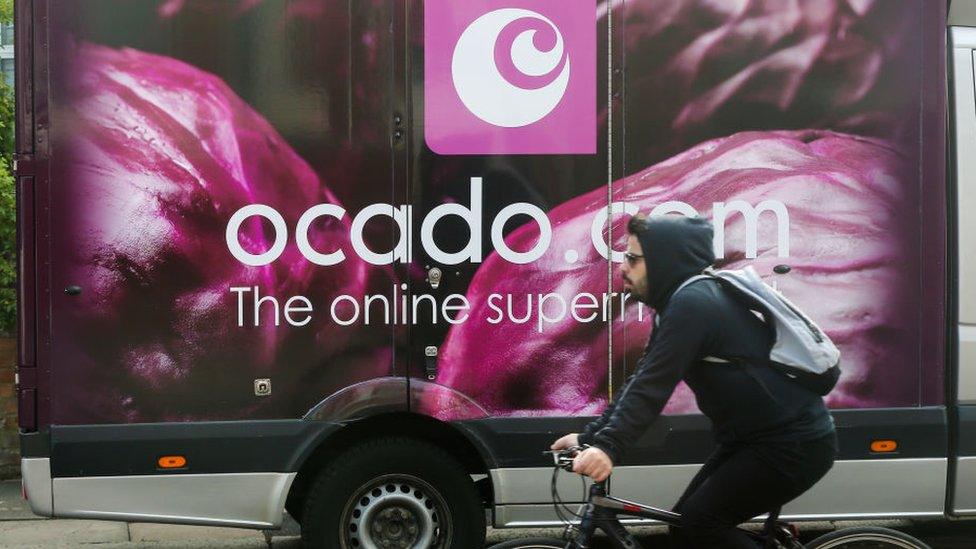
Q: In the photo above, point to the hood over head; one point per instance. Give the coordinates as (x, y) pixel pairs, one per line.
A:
(675, 248)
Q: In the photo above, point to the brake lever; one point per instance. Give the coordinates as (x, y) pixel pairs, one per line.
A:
(564, 458)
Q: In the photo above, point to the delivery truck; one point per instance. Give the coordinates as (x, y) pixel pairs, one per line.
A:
(356, 261)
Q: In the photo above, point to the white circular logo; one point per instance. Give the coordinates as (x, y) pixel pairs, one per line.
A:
(511, 67)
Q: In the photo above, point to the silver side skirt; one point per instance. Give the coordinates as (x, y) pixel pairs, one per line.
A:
(965, 497)
(36, 478)
(853, 489)
(246, 500)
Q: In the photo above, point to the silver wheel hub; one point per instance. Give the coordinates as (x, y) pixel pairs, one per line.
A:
(394, 512)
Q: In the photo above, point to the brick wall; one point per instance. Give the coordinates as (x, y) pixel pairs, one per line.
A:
(9, 441)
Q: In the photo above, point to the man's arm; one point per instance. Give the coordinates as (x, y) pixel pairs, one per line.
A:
(685, 328)
(586, 437)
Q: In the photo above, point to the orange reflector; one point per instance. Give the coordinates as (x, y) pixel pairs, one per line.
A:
(884, 446)
(172, 462)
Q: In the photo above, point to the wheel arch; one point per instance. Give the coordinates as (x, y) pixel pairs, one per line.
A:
(453, 438)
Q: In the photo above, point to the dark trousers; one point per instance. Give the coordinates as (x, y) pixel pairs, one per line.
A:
(740, 482)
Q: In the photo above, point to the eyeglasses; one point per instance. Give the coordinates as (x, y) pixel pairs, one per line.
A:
(632, 258)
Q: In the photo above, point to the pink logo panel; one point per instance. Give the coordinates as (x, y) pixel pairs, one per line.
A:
(510, 76)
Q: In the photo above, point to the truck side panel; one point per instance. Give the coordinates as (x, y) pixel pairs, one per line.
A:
(962, 44)
(244, 212)
(198, 213)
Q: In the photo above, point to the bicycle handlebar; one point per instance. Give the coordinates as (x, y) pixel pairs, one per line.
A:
(563, 459)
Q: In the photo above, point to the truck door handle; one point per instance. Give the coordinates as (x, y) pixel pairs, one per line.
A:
(434, 278)
(430, 362)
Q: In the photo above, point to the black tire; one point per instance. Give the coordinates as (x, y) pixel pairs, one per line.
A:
(396, 489)
(531, 543)
(866, 537)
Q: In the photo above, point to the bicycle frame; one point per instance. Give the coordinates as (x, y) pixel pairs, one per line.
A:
(602, 511)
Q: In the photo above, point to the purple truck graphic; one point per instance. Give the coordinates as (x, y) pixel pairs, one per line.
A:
(339, 232)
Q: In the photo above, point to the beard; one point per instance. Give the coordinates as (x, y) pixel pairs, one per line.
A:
(638, 289)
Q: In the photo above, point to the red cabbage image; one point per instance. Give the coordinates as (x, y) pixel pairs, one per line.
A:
(302, 8)
(341, 78)
(151, 228)
(700, 69)
(845, 200)
(161, 155)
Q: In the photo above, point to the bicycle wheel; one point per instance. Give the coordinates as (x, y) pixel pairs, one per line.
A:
(866, 537)
(531, 543)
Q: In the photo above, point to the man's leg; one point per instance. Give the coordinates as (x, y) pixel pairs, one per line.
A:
(746, 485)
(677, 535)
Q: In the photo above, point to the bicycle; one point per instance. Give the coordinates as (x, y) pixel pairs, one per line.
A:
(601, 511)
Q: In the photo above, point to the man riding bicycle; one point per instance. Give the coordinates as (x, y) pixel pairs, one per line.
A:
(775, 437)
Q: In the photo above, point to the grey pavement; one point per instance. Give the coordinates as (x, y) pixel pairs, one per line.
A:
(22, 529)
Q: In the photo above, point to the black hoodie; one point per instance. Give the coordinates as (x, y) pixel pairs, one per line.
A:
(746, 400)
(675, 248)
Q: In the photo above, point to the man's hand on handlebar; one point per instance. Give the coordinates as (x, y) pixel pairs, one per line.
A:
(594, 463)
(566, 442)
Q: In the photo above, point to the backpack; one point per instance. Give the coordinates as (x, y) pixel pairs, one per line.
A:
(801, 350)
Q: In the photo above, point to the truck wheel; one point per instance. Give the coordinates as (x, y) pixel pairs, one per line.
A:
(393, 493)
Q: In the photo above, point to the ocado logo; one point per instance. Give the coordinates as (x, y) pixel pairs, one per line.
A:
(511, 67)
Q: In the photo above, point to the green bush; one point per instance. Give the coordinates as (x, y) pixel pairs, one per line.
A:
(8, 252)
(8, 203)
(6, 126)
